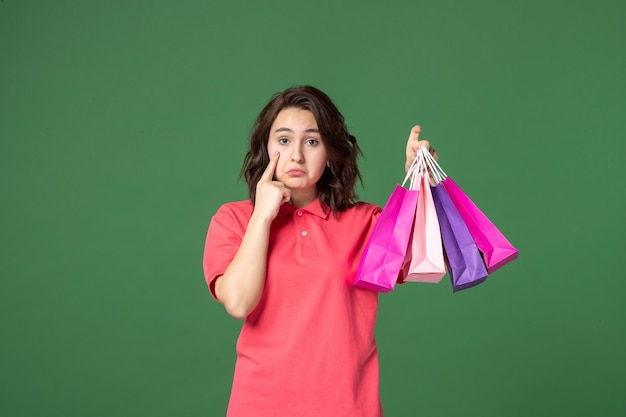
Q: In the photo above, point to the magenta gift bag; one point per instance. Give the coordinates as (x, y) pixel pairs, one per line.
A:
(497, 250)
(385, 250)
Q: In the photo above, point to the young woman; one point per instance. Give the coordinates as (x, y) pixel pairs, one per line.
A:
(284, 262)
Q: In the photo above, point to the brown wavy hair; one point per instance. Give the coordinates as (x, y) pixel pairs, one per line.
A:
(336, 187)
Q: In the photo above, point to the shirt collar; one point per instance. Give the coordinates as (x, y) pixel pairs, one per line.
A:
(317, 208)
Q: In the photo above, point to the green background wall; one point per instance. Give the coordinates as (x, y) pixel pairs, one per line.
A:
(123, 125)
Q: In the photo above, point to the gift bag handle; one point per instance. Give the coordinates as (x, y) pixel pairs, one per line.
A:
(416, 165)
(435, 169)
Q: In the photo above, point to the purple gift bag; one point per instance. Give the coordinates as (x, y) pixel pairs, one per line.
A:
(465, 263)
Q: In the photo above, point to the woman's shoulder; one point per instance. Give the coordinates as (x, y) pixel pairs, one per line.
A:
(235, 210)
(364, 205)
(363, 209)
(237, 205)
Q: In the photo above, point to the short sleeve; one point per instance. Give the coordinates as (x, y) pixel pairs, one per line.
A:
(223, 239)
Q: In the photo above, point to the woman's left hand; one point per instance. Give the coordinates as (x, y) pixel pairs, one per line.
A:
(413, 144)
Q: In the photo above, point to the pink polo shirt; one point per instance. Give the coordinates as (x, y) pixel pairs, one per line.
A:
(308, 349)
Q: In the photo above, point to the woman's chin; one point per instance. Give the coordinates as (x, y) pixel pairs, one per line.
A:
(296, 183)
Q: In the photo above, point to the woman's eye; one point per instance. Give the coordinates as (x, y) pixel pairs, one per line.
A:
(283, 141)
(312, 142)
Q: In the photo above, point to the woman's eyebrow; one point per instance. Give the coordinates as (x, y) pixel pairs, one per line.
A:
(286, 129)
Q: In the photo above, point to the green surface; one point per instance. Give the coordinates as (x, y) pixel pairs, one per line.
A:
(123, 125)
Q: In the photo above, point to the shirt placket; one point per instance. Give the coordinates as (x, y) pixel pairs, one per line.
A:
(305, 246)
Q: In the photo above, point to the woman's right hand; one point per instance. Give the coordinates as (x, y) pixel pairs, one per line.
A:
(242, 284)
(414, 143)
(270, 194)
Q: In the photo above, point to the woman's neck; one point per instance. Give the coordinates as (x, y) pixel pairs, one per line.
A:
(302, 198)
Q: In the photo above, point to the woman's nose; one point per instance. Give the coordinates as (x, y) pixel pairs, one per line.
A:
(296, 154)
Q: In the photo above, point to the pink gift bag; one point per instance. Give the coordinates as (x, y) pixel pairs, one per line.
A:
(424, 261)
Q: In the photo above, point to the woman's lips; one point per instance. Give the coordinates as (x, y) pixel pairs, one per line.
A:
(295, 172)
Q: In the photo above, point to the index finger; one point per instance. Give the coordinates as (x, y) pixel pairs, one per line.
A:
(413, 141)
(268, 174)
(411, 145)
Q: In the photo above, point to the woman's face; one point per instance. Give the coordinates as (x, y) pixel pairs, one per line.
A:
(295, 135)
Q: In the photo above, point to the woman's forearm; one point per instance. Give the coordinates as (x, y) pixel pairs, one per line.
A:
(241, 286)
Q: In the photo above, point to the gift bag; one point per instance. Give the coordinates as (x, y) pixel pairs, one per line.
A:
(424, 261)
(496, 249)
(384, 253)
(465, 263)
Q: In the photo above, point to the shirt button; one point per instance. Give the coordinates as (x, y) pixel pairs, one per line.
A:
(303, 233)
(299, 213)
